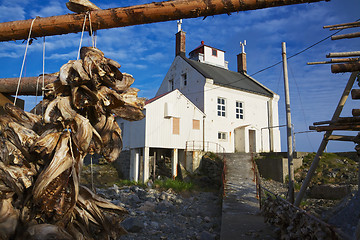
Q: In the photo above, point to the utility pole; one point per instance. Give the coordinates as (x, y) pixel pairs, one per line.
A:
(288, 126)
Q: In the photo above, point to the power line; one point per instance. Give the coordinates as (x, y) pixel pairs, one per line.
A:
(305, 49)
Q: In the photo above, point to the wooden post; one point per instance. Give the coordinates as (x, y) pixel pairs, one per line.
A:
(154, 169)
(288, 127)
(28, 84)
(134, 15)
(325, 140)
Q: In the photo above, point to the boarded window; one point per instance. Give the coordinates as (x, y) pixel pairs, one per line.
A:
(176, 126)
(196, 124)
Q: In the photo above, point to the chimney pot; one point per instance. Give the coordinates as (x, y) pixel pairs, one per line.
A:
(202, 42)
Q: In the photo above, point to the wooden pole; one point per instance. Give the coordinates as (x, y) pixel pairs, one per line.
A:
(134, 15)
(325, 140)
(154, 169)
(356, 24)
(345, 67)
(344, 54)
(348, 35)
(288, 127)
(336, 60)
(28, 84)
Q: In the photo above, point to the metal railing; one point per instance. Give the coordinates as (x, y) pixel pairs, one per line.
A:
(205, 146)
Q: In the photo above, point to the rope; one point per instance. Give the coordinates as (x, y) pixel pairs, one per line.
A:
(23, 63)
(43, 76)
(91, 32)
(43, 79)
(82, 34)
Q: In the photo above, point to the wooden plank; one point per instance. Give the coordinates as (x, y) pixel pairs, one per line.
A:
(176, 126)
(341, 138)
(345, 67)
(133, 15)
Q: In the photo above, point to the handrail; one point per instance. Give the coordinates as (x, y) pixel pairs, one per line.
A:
(205, 146)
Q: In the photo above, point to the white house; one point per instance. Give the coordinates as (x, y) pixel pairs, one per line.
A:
(202, 102)
(240, 112)
(171, 121)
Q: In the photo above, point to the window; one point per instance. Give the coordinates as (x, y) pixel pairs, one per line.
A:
(196, 124)
(171, 85)
(214, 52)
(222, 135)
(184, 79)
(221, 107)
(176, 126)
(239, 110)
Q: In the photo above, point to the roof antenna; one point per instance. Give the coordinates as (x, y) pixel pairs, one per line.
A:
(179, 22)
(243, 46)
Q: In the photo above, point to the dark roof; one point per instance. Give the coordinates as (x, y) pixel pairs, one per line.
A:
(227, 78)
(156, 98)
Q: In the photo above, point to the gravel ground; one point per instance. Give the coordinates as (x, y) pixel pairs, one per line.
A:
(155, 214)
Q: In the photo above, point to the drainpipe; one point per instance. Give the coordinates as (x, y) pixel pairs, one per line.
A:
(203, 133)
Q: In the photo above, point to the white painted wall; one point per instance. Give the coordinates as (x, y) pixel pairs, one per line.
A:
(156, 130)
(195, 82)
(218, 60)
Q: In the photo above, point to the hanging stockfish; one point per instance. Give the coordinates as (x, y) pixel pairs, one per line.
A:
(42, 155)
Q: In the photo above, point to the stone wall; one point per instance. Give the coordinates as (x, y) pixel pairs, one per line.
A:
(122, 165)
(276, 167)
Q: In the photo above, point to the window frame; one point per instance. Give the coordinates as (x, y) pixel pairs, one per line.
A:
(214, 52)
(221, 107)
(222, 136)
(239, 110)
(171, 84)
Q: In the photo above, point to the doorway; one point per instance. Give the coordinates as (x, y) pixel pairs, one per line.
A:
(252, 141)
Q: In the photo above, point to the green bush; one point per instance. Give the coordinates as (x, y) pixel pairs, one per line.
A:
(176, 185)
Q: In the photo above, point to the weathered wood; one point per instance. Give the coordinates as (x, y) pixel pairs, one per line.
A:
(343, 24)
(4, 98)
(345, 67)
(355, 94)
(340, 121)
(348, 35)
(338, 60)
(27, 87)
(341, 138)
(336, 127)
(344, 54)
(134, 15)
(355, 112)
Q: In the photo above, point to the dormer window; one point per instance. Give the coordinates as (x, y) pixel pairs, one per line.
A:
(214, 52)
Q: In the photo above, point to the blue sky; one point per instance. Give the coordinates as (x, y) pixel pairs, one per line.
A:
(147, 51)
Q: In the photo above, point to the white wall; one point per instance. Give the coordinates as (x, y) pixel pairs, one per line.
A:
(159, 130)
(133, 133)
(255, 117)
(218, 60)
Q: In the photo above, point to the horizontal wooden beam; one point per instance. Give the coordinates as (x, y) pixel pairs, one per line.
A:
(337, 127)
(345, 67)
(348, 35)
(336, 60)
(344, 54)
(355, 93)
(343, 25)
(134, 15)
(27, 86)
(355, 112)
(341, 138)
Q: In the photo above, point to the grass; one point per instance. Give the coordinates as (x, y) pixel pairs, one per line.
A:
(176, 185)
(125, 182)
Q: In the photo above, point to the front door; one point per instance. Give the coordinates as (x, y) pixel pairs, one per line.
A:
(252, 141)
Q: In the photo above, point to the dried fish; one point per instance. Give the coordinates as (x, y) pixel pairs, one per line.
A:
(8, 218)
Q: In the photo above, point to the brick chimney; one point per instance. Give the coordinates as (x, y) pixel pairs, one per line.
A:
(180, 43)
(241, 62)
